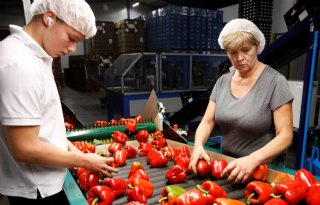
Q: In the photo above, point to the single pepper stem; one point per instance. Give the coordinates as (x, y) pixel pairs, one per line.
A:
(163, 199)
(95, 201)
(250, 197)
(276, 196)
(202, 190)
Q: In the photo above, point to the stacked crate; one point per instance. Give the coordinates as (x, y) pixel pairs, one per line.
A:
(214, 27)
(104, 40)
(168, 28)
(198, 28)
(260, 13)
(183, 28)
(131, 35)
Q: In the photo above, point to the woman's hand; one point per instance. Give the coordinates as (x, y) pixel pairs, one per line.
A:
(198, 153)
(240, 170)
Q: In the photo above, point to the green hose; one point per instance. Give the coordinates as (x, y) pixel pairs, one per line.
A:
(105, 132)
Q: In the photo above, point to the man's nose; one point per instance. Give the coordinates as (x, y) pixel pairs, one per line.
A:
(72, 48)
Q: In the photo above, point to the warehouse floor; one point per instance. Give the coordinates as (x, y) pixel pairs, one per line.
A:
(87, 107)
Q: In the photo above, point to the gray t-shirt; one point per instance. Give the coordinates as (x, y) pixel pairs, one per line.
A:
(247, 123)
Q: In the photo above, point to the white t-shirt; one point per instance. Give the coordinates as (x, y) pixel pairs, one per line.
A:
(29, 96)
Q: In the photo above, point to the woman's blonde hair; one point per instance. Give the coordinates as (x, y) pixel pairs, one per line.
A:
(239, 39)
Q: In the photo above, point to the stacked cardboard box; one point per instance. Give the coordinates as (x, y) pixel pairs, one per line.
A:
(131, 35)
(104, 40)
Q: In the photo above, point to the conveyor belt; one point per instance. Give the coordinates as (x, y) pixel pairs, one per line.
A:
(159, 182)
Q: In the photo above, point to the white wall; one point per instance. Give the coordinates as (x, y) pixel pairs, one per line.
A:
(230, 12)
(279, 9)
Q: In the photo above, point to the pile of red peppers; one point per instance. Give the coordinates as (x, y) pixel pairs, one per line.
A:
(284, 190)
(302, 188)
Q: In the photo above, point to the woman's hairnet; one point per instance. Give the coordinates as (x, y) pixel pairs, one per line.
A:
(243, 25)
(76, 13)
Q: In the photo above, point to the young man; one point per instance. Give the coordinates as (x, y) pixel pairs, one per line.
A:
(34, 150)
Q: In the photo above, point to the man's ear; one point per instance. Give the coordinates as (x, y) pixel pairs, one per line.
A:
(48, 18)
(49, 21)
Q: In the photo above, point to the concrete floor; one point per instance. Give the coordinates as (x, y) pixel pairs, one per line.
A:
(86, 105)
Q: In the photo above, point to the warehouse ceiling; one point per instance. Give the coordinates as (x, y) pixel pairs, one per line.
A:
(153, 4)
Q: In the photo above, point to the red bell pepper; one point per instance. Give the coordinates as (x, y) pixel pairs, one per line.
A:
(305, 177)
(152, 154)
(258, 192)
(119, 137)
(183, 150)
(157, 134)
(135, 203)
(136, 194)
(159, 143)
(226, 201)
(140, 173)
(176, 174)
(100, 195)
(147, 186)
(89, 148)
(276, 201)
(100, 123)
(120, 157)
(68, 126)
(80, 170)
(142, 136)
(170, 194)
(183, 160)
(122, 121)
(217, 166)
(192, 196)
(131, 152)
(131, 125)
(88, 180)
(114, 146)
(293, 191)
(144, 148)
(139, 119)
(281, 177)
(169, 151)
(78, 144)
(134, 167)
(260, 173)
(313, 196)
(211, 191)
(113, 122)
(203, 168)
(118, 186)
(159, 160)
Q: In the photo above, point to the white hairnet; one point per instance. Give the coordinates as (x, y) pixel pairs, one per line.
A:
(76, 13)
(245, 26)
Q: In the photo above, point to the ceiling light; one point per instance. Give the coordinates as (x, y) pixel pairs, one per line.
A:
(135, 4)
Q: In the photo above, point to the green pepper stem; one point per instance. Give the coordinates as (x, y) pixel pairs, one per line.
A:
(250, 197)
(202, 190)
(275, 196)
(163, 199)
(95, 201)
